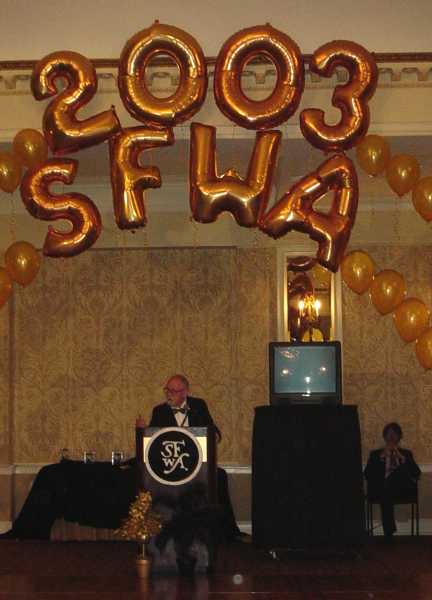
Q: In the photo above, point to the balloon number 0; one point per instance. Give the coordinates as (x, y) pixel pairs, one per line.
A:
(210, 193)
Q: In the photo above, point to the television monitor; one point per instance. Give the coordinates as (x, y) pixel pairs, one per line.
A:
(305, 373)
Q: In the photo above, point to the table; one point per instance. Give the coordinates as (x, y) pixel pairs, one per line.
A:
(307, 481)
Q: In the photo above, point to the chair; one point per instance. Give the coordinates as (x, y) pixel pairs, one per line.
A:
(408, 499)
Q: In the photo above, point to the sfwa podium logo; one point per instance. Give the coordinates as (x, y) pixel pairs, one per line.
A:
(173, 456)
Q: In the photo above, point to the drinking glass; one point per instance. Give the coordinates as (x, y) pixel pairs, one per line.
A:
(116, 457)
(89, 456)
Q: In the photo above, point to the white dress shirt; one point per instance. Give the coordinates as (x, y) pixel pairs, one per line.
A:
(182, 419)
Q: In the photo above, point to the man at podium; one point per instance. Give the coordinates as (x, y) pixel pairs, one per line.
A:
(99, 494)
(182, 410)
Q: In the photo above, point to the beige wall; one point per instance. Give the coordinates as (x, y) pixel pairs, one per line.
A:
(101, 28)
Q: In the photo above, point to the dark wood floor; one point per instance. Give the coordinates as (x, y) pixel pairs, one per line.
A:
(105, 571)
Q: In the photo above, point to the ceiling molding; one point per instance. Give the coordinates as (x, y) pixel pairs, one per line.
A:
(393, 70)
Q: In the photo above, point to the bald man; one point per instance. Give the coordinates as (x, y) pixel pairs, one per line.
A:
(182, 410)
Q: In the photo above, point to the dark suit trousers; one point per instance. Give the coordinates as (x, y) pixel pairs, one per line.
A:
(396, 486)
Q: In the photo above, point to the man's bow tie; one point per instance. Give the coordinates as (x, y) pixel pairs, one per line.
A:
(179, 410)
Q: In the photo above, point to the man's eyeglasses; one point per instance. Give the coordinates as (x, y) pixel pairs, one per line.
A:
(173, 391)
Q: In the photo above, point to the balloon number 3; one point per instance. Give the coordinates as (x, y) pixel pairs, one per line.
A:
(351, 98)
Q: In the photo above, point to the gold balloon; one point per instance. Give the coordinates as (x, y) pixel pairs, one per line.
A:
(351, 98)
(63, 131)
(30, 147)
(22, 262)
(5, 286)
(317, 335)
(322, 276)
(357, 270)
(411, 318)
(245, 198)
(301, 263)
(129, 180)
(331, 230)
(423, 349)
(373, 154)
(403, 172)
(191, 89)
(237, 51)
(422, 198)
(10, 172)
(387, 290)
(79, 210)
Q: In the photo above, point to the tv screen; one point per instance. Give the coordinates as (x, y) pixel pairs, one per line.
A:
(305, 372)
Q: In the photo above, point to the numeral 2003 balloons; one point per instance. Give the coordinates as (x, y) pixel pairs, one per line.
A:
(246, 198)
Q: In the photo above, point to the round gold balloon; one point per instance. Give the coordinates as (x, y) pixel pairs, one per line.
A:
(403, 172)
(373, 154)
(411, 318)
(357, 270)
(423, 349)
(10, 172)
(322, 276)
(5, 286)
(387, 291)
(422, 198)
(22, 262)
(30, 147)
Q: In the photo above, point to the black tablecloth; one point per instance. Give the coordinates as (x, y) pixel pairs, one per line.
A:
(307, 476)
(97, 494)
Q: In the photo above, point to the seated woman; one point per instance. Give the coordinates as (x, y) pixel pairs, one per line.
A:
(391, 474)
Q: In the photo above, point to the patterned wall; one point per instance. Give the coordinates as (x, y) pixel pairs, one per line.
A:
(4, 385)
(382, 374)
(97, 336)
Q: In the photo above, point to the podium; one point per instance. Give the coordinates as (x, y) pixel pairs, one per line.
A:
(307, 481)
(172, 459)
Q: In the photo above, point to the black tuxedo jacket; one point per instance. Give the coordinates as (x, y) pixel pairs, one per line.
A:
(199, 415)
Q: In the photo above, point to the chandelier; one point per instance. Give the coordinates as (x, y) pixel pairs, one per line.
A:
(309, 309)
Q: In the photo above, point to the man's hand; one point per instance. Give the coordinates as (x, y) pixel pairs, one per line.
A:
(398, 455)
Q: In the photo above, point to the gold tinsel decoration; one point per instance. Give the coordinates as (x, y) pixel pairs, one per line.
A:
(142, 522)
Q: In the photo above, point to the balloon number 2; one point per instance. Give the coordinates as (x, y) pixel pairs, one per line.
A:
(63, 131)
(210, 193)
